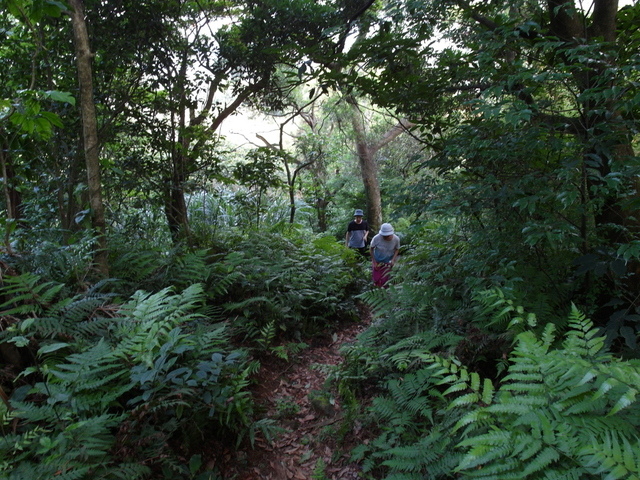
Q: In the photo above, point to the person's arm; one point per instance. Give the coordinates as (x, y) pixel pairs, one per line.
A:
(395, 254)
(346, 238)
(373, 257)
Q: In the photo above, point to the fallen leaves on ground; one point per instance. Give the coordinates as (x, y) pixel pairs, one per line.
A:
(308, 447)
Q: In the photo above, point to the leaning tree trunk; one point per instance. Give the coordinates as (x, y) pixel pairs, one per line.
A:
(90, 133)
(368, 167)
(367, 158)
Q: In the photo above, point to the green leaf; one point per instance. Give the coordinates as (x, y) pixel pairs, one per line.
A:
(625, 400)
(58, 96)
(195, 462)
(52, 118)
(52, 348)
(19, 341)
(487, 391)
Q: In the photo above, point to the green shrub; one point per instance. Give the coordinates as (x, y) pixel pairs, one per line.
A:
(565, 410)
(134, 394)
(297, 284)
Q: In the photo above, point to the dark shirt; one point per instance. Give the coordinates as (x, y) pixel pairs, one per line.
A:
(357, 232)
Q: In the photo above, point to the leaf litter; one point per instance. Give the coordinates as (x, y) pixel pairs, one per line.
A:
(308, 446)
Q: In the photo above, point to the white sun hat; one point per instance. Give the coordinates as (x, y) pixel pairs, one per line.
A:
(386, 229)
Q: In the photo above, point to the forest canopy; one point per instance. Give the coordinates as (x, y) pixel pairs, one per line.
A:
(150, 266)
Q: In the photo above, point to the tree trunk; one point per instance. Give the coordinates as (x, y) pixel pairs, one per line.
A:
(175, 204)
(615, 224)
(292, 204)
(188, 144)
(367, 158)
(69, 201)
(13, 197)
(321, 209)
(90, 133)
(368, 167)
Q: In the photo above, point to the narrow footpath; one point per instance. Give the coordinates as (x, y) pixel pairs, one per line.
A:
(294, 394)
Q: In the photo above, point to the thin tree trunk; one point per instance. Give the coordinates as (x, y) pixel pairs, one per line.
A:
(175, 203)
(90, 133)
(13, 197)
(321, 209)
(70, 202)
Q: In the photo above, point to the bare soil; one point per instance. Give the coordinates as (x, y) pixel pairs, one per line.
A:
(314, 444)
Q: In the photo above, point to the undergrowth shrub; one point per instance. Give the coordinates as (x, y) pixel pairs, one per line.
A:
(296, 284)
(367, 359)
(430, 290)
(567, 409)
(136, 266)
(118, 391)
(70, 264)
(437, 290)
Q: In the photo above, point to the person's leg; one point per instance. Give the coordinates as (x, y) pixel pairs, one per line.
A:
(381, 274)
(377, 276)
(386, 269)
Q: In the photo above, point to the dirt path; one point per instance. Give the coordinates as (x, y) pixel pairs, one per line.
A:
(294, 394)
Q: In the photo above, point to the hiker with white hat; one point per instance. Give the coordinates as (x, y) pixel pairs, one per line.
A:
(357, 233)
(384, 250)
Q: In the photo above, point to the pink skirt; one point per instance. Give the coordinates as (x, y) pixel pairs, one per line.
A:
(381, 274)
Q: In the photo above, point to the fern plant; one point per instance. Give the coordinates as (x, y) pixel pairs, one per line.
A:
(561, 412)
(297, 286)
(101, 398)
(137, 267)
(567, 409)
(414, 440)
(69, 264)
(27, 294)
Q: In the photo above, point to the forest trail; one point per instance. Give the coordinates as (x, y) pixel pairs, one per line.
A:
(308, 448)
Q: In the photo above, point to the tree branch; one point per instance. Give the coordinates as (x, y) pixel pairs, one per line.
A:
(267, 142)
(402, 126)
(481, 19)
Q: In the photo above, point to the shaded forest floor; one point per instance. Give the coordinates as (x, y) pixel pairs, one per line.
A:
(313, 443)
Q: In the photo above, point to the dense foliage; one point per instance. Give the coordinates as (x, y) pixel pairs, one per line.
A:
(125, 386)
(564, 410)
(499, 140)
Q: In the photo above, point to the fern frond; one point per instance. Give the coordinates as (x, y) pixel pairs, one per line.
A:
(149, 319)
(541, 461)
(486, 447)
(616, 455)
(28, 294)
(465, 400)
(130, 471)
(73, 319)
(551, 403)
(564, 474)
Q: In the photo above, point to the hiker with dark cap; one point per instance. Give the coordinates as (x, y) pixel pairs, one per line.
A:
(357, 233)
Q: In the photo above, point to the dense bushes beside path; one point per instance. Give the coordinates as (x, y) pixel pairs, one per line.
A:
(120, 384)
